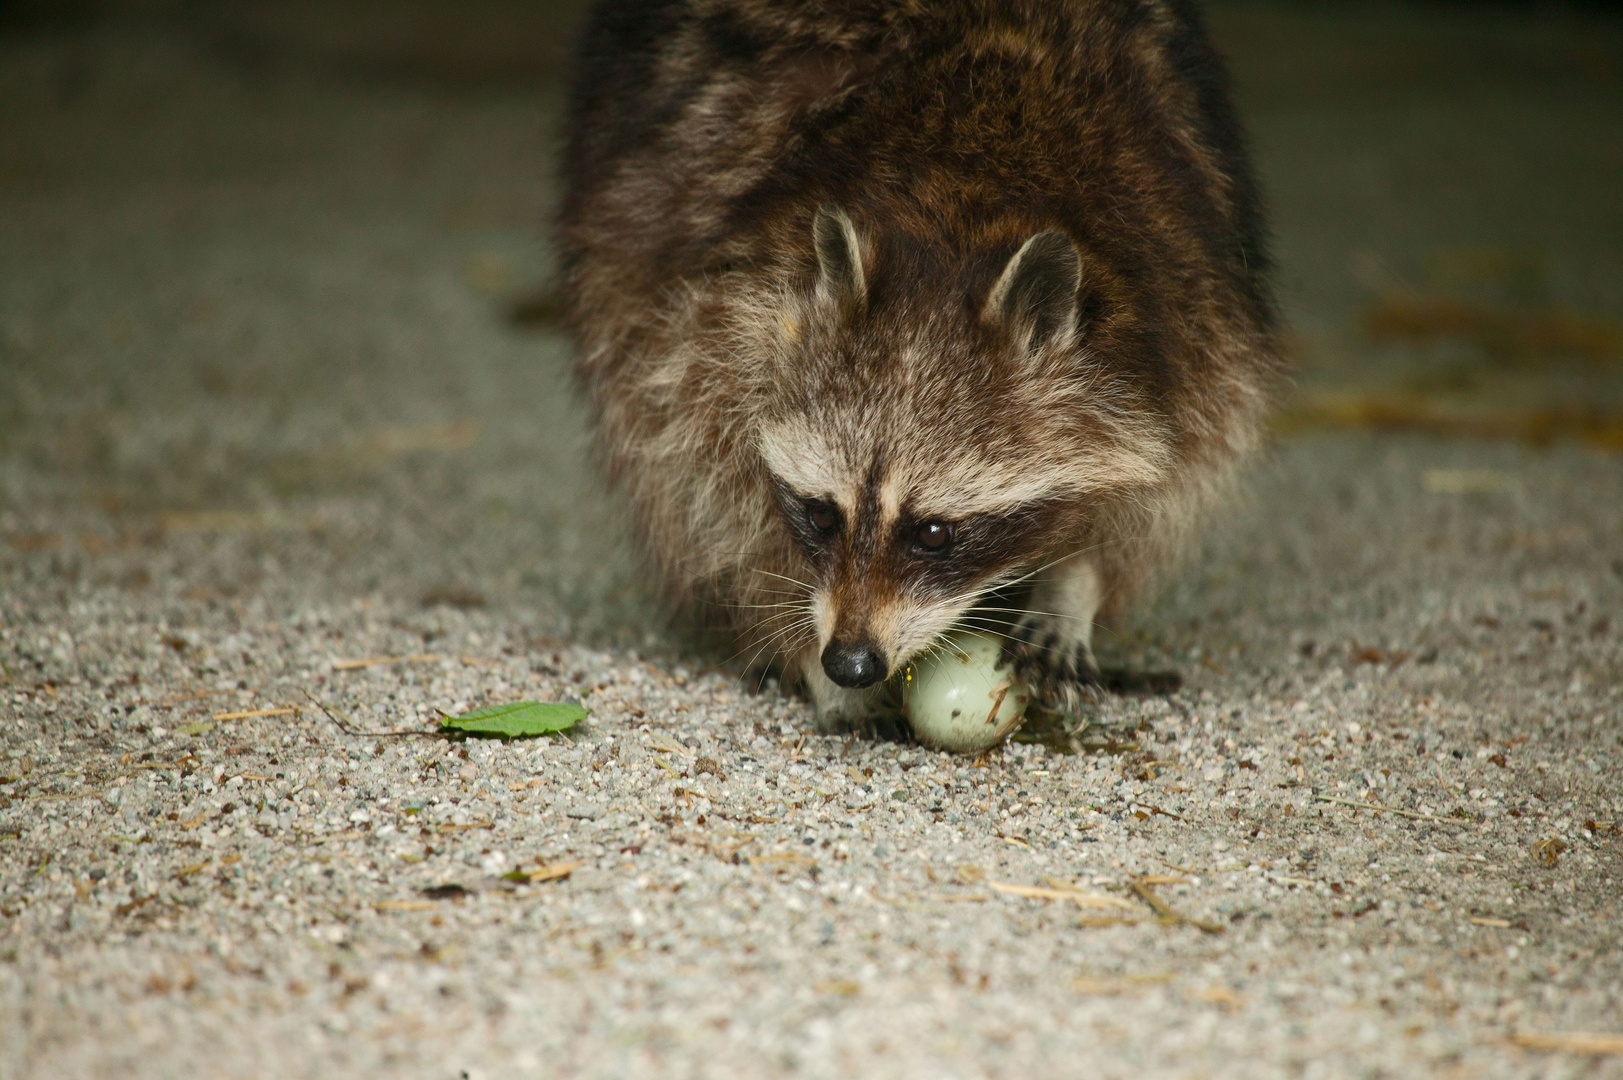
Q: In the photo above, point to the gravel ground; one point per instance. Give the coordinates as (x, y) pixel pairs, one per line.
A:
(263, 412)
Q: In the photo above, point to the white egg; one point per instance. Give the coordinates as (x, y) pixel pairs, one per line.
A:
(958, 700)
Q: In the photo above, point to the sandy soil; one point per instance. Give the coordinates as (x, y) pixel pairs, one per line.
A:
(264, 409)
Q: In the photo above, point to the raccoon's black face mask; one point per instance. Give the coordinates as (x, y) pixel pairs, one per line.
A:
(889, 580)
(926, 449)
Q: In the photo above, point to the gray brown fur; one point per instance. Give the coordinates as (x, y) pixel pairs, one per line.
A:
(994, 263)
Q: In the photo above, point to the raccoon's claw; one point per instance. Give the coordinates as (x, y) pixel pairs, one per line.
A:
(1059, 670)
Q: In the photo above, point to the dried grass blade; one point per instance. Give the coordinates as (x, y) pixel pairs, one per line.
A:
(1076, 896)
(1164, 909)
(1570, 1042)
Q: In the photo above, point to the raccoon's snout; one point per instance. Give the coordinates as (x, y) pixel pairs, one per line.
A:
(854, 665)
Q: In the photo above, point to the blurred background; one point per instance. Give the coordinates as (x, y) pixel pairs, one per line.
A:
(274, 277)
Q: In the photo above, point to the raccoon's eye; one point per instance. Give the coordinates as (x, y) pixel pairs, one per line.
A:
(934, 536)
(825, 517)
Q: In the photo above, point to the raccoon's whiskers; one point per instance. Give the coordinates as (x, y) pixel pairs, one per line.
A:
(789, 641)
(928, 651)
(762, 645)
(783, 642)
(799, 612)
(1030, 611)
(785, 636)
(1058, 649)
(771, 637)
(970, 597)
(994, 629)
(766, 623)
(807, 586)
(1029, 574)
(798, 598)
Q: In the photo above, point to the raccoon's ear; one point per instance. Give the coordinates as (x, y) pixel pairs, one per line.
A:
(839, 257)
(1036, 295)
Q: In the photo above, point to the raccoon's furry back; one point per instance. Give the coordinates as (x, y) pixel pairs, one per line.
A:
(703, 136)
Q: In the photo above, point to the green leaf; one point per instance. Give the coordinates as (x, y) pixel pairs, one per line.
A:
(516, 719)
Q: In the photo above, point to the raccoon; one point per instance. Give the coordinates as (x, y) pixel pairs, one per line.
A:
(898, 316)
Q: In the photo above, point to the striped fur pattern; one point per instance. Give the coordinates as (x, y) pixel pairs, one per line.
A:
(847, 273)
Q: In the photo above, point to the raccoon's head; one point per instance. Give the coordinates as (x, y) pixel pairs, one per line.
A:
(931, 439)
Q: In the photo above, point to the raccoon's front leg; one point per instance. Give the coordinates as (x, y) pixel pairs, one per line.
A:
(1051, 645)
(837, 706)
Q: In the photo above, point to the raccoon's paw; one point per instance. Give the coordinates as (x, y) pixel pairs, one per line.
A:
(1057, 667)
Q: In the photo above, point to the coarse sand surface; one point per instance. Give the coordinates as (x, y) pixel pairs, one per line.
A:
(277, 396)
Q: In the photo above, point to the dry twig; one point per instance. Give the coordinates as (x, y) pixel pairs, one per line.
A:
(1077, 896)
(1570, 1042)
(1164, 909)
(291, 710)
(1379, 809)
(350, 729)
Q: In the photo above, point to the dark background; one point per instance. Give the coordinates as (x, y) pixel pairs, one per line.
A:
(506, 40)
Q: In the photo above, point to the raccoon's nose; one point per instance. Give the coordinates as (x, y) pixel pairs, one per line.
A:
(853, 665)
